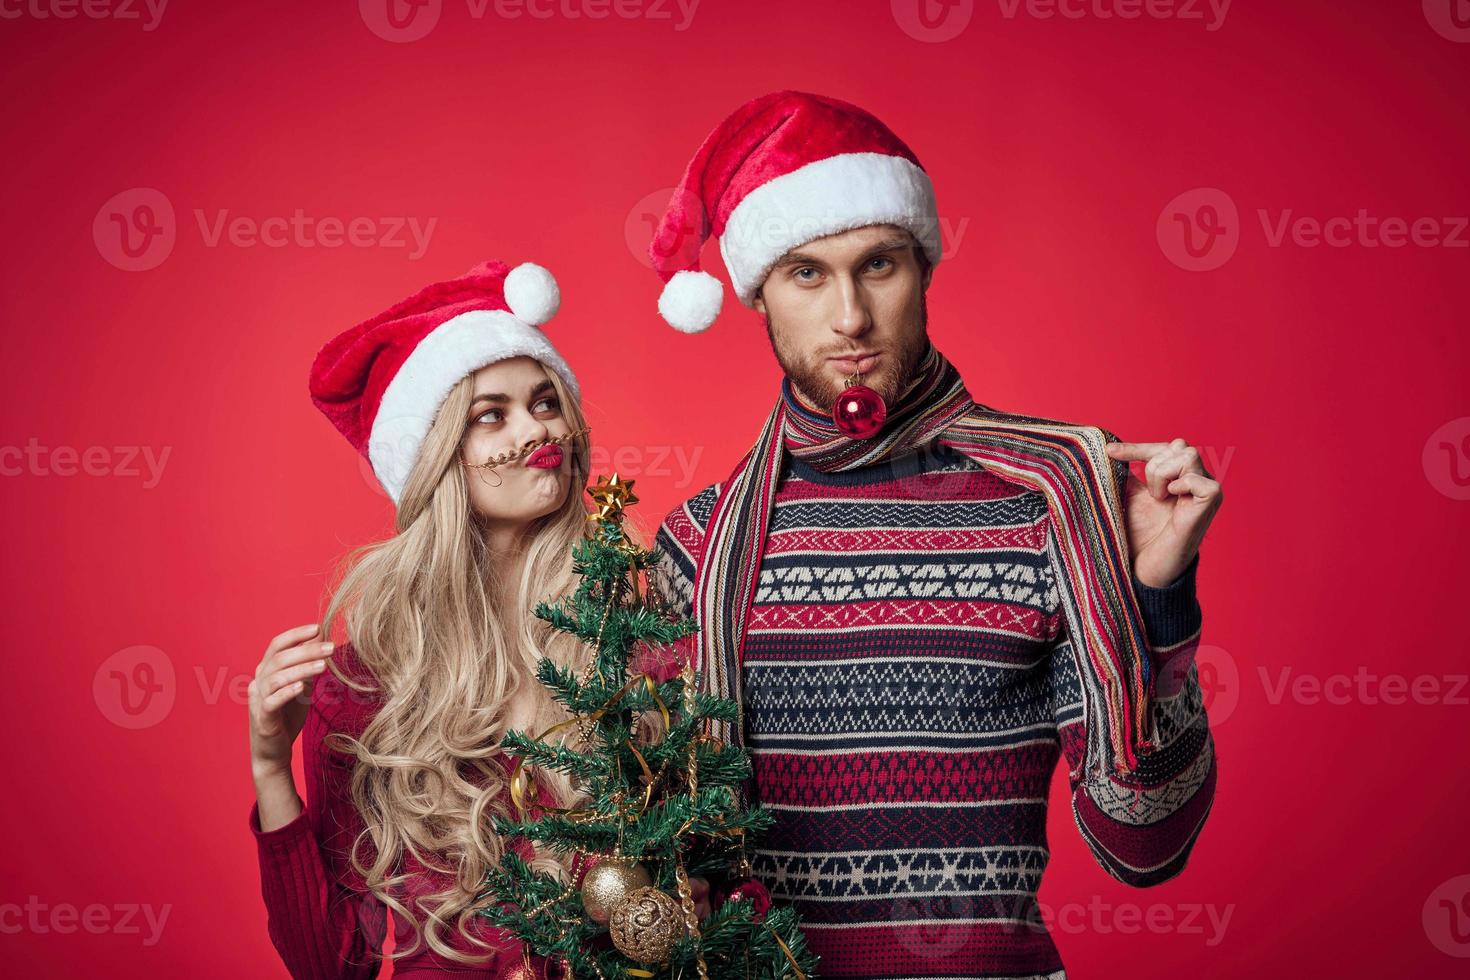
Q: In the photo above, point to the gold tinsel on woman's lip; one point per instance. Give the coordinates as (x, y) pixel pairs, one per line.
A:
(524, 451)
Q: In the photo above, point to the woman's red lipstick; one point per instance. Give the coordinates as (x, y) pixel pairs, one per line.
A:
(547, 457)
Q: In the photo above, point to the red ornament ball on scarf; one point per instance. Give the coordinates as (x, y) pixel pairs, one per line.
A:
(859, 412)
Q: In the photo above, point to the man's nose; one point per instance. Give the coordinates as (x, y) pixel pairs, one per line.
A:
(852, 317)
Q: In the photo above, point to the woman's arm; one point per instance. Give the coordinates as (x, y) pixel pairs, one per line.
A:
(320, 927)
(321, 919)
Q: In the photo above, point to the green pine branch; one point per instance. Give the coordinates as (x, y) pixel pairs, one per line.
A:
(706, 829)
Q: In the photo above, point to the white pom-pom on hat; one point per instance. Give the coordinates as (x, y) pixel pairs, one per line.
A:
(691, 300)
(532, 294)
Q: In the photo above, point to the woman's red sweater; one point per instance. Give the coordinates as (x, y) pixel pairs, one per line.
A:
(322, 919)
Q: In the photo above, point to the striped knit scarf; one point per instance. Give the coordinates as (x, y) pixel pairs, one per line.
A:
(1064, 462)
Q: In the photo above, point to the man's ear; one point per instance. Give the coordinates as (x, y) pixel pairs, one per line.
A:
(759, 303)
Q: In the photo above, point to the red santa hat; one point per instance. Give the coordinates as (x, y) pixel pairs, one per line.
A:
(781, 171)
(381, 382)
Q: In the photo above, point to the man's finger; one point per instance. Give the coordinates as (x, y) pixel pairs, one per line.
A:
(1136, 450)
(1196, 485)
(1169, 466)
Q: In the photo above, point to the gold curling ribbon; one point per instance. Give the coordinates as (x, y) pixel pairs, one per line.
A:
(653, 693)
(521, 781)
(642, 762)
(790, 958)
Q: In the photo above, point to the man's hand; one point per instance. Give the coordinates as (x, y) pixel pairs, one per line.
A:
(1169, 510)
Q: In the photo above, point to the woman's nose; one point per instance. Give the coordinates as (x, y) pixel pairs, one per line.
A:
(534, 433)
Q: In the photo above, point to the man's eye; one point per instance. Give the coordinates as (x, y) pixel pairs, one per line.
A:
(881, 263)
(802, 273)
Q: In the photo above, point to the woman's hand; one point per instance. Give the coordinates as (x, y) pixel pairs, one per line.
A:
(291, 664)
(699, 891)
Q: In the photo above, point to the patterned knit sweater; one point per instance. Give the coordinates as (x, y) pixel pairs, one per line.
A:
(910, 690)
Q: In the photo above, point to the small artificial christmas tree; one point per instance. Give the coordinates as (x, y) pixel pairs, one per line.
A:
(663, 801)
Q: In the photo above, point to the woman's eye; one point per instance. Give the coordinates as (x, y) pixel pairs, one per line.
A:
(491, 416)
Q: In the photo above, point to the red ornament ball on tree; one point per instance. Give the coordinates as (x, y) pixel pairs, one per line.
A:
(661, 661)
(748, 890)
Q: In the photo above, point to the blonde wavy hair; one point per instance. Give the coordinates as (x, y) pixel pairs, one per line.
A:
(449, 661)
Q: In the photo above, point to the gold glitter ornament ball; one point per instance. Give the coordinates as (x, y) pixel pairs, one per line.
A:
(608, 882)
(645, 926)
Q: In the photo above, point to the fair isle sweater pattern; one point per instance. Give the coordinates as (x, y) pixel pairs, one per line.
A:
(910, 689)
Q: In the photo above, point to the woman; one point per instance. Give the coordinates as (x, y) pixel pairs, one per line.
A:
(471, 421)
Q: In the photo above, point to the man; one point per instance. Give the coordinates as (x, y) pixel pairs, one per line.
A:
(918, 622)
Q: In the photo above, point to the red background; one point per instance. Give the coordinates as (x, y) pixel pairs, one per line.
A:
(1314, 378)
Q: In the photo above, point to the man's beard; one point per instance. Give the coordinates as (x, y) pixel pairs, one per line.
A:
(894, 372)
